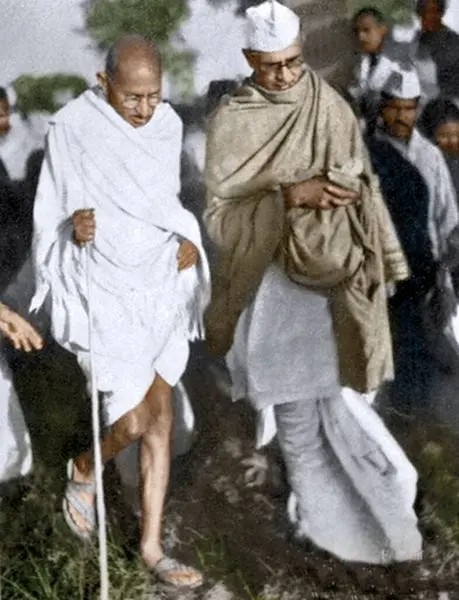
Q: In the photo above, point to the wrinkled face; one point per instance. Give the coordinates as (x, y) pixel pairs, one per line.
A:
(370, 34)
(277, 71)
(431, 16)
(399, 117)
(4, 117)
(135, 92)
(447, 137)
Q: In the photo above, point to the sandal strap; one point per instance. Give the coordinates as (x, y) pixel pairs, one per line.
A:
(87, 511)
(81, 488)
(167, 566)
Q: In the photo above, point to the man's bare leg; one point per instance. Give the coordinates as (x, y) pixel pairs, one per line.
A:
(152, 422)
(124, 432)
(155, 461)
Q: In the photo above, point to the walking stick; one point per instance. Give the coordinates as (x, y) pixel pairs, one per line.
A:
(103, 562)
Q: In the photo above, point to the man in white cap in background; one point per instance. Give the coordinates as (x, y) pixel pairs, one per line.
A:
(285, 169)
(420, 196)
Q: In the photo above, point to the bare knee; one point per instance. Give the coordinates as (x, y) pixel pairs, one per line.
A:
(132, 426)
(161, 417)
(154, 416)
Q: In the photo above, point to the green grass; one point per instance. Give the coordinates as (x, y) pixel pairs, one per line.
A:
(41, 560)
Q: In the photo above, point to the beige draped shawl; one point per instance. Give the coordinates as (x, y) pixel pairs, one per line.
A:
(259, 140)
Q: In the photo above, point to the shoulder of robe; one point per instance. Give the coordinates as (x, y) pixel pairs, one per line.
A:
(170, 116)
(428, 148)
(431, 156)
(229, 106)
(72, 112)
(336, 104)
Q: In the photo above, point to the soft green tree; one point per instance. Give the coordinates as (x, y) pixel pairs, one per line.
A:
(46, 93)
(396, 11)
(107, 20)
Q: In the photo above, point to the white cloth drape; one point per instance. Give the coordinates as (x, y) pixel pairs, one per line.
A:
(145, 311)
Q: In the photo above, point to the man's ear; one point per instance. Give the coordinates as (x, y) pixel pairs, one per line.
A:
(102, 80)
(250, 58)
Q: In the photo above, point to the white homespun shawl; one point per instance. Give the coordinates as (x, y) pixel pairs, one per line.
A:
(144, 310)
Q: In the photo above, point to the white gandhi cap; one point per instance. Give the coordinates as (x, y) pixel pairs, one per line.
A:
(271, 27)
(403, 84)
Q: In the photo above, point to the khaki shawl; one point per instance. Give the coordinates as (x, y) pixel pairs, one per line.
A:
(259, 140)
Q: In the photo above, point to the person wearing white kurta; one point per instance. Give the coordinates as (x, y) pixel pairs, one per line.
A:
(113, 156)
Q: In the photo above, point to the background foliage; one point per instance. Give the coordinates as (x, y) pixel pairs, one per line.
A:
(107, 20)
(396, 11)
(46, 93)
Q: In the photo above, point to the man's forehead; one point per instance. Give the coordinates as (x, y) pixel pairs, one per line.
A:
(367, 21)
(449, 124)
(138, 75)
(273, 57)
(402, 102)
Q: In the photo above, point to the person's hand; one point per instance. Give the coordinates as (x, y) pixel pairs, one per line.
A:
(318, 192)
(84, 226)
(20, 333)
(187, 255)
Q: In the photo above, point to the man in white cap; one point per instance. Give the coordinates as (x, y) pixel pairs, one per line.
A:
(420, 195)
(299, 303)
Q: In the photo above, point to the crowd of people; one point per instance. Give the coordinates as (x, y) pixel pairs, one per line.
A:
(335, 230)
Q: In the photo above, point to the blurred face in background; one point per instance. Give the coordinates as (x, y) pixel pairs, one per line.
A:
(370, 34)
(431, 16)
(447, 137)
(4, 117)
(399, 117)
(277, 71)
(135, 90)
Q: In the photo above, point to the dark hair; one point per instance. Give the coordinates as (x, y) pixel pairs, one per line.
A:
(421, 4)
(3, 94)
(369, 11)
(111, 60)
(217, 90)
(437, 112)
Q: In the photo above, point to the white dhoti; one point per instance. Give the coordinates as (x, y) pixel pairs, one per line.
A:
(353, 489)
